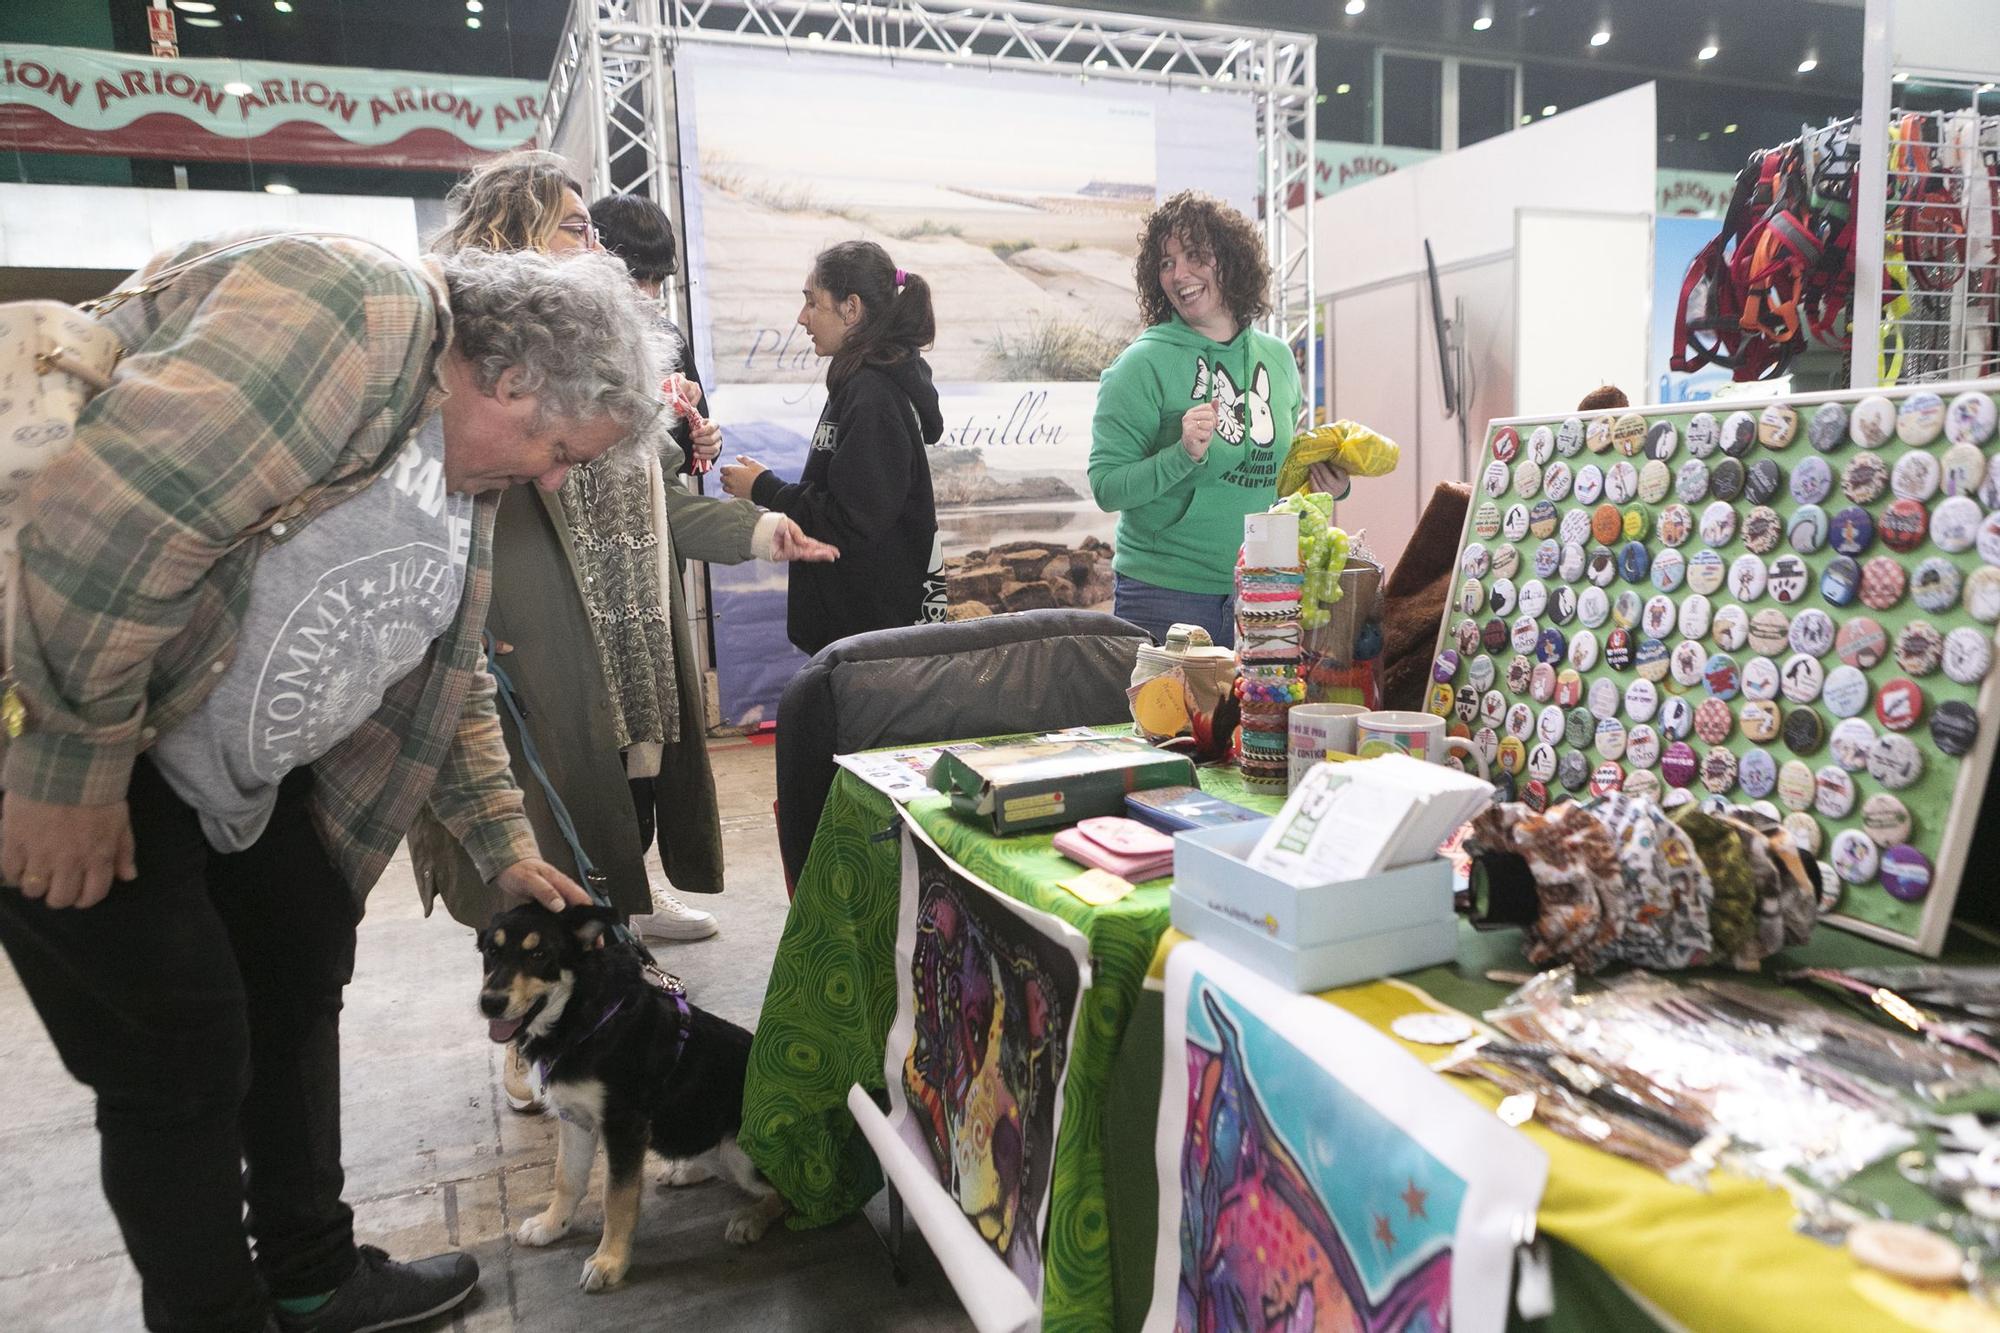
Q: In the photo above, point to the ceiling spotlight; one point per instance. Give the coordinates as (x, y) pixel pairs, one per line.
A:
(194, 6)
(1485, 19)
(1527, 120)
(473, 7)
(237, 88)
(1600, 37)
(194, 22)
(1901, 77)
(1729, 129)
(1709, 52)
(1342, 90)
(1356, 6)
(1986, 87)
(280, 187)
(1703, 136)
(471, 22)
(1548, 110)
(1809, 64)
(282, 6)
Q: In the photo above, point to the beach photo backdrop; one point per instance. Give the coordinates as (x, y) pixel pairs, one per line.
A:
(1019, 198)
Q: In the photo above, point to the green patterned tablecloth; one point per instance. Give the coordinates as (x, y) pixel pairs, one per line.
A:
(832, 998)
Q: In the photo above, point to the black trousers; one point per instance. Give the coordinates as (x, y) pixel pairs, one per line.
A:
(201, 1003)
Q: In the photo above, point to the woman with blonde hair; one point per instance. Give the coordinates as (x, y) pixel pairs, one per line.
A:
(591, 626)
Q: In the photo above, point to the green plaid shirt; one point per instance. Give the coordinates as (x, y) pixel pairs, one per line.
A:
(245, 382)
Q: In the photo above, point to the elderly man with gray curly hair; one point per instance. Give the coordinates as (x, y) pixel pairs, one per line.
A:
(228, 734)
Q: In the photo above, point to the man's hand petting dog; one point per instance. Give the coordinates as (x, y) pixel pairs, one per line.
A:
(535, 880)
(65, 855)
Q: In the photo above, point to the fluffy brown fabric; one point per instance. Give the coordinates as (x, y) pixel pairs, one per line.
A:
(1416, 595)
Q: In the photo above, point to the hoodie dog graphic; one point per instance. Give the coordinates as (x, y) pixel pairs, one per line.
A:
(1237, 413)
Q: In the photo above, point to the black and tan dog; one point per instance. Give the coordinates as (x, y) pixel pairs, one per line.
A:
(623, 1060)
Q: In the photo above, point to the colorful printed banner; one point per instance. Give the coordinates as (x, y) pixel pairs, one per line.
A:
(1694, 194)
(1314, 1174)
(57, 99)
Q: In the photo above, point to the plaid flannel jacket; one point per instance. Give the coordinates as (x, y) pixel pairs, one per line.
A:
(246, 381)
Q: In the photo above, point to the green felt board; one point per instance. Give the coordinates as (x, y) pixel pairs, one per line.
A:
(1947, 785)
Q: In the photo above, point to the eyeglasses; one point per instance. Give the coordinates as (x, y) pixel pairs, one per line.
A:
(584, 231)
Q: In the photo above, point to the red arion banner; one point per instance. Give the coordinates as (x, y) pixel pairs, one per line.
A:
(56, 99)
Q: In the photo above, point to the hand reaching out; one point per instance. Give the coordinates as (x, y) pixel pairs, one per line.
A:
(791, 543)
(740, 476)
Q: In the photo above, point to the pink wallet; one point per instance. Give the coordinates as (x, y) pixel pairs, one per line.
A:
(1124, 847)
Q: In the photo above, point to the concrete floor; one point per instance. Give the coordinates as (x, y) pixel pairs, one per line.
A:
(436, 1161)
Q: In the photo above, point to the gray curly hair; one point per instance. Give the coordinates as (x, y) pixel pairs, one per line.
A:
(576, 328)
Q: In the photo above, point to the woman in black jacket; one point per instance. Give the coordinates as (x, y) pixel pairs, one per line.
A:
(867, 481)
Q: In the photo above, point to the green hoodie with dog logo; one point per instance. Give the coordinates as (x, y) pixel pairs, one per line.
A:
(1180, 522)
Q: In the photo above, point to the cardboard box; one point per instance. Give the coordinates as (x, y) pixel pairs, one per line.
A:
(1048, 784)
(1311, 938)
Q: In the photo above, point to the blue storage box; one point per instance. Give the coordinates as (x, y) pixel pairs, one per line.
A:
(1313, 938)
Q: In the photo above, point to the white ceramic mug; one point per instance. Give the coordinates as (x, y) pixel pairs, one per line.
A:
(1317, 729)
(1419, 735)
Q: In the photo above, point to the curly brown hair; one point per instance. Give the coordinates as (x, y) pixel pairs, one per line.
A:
(1207, 226)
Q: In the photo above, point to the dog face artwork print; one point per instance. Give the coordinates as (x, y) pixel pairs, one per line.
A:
(993, 1003)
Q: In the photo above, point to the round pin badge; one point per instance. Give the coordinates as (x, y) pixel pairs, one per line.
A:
(1956, 523)
(1739, 434)
(1855, 858)
(1853, 531)
(1575, 528)
(1496, 479)
(1441, 700)
(1721, 677)
(1486, 520)
(1795, 785)
(1760, 720)
(1597, 435)
(1551, 648)
(1549, 724)
(1695, 614)
(1638, 521)
(1444, 669)
(1807, 532)
(1579, 728)
(1527, 479)
(1789, 578)
(1511, 756)
(1967, 655)
(1525, 634)
(1506, 444)
(1763, 480)
(1920, 419)
(1569, 437)
(1840, 580)
(1846, 691)
(1777, 426)
(1718, 771)
(1982, 594)
(1988, 540)
(1593, 606)
(1970, 419)
(1882, 583)
(1691, 482)
(1675, 524)
(1515, 525)
(1900, 704)
(1864, 478)
(1642, 700)
(1989, 489)
(1669, 570)
(1583, 646)
(1466, 706)
(1812, 632)
(1649, 659)
(1935, 585)
(1655, 479)
(1556, 481)
(1569, 687)
(1954, 727)
(1542, 519)
(1886, 819)
(1473, 563)
(1905, 871)
(1861, 642)
(1805, 832)
(1702, 434)
(1618, 649)
(1747, 578)
(1573, 770)
(1621, 482)
(1479, 673)
(1493, 706)
(1963, 468)
(1713, 721)
(1625, 609)
(1853, 740)
(1466, 634)
(1589, 487)
(1635, 562)
(1803, 678)
(1533, 597)
(1833, 792)
(1606, 523)
(1611, 738)
(1541, 445)
(1812, 481)
(1603, 566)
(1487, 741)
(1895, 762)
(1642, 747)
(1688, 663)
(1873, 422)
(1803, 731)
(1562, 604)
(1501, 597)
(1628, 433)
(1662, 440)
(1905, 523)
(1827, 429)
(1573, 562)
(1547, 559)
(1718, 524)
(1606, 778)
(1759, 679)
(1494, 635)
(1732, 626)
(1920, 648)
(1678, 764)
(1915, 476)
(1676, 718)
(1761, 529)
(1520, 724)
(1658, 617)
(1758, 773)
(1726, 479)
(1471, 596)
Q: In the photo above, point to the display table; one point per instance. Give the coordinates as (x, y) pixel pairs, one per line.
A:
(1625, 1239)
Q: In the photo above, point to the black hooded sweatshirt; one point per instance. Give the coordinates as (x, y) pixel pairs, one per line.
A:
(867, 489)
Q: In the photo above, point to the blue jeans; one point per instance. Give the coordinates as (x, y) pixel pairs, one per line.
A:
(1154, 609)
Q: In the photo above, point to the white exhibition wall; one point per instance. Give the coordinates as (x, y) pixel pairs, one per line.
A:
(118, 227)
(1382, 361)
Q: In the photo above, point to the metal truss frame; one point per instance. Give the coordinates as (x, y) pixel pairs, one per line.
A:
(611, 91)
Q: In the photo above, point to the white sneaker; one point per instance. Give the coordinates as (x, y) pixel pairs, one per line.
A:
(672, 919)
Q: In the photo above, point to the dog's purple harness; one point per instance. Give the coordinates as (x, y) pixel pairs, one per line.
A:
(664, 981)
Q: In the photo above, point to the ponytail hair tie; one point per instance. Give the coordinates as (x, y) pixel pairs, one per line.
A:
(901, 277)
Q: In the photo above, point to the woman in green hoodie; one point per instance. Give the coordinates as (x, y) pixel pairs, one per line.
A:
(1193, 419)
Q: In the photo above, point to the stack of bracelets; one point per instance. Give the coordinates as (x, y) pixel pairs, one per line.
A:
(1269, 651)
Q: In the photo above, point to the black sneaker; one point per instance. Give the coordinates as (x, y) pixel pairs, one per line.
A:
(382, 1293)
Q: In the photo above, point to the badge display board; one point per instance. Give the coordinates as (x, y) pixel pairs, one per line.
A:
(1788, 600)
